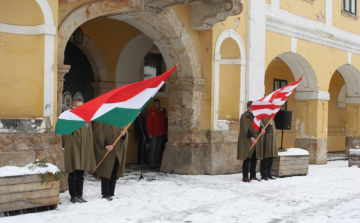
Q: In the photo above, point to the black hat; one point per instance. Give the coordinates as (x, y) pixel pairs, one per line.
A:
(156, 101)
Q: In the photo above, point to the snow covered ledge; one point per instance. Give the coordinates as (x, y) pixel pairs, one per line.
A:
(23, 187)
(293, 162)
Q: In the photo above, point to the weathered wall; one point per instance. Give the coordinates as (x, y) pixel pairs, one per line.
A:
(305, 8)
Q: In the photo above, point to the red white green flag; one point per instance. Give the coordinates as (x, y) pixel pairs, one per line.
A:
(118, 107)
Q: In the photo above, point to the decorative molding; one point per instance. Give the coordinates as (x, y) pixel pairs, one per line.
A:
(351, 77)
(312, 95)
(158, 5)
(229, 33)
(352, 100)
(28, 30)
(292, 25)
(205, 13)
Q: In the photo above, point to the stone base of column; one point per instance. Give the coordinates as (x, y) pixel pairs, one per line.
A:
(22, 149)
(214, 153)
(351, 143)
(317, 149)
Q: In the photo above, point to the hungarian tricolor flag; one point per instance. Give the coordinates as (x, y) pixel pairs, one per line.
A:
(118, 107)
(268, 106)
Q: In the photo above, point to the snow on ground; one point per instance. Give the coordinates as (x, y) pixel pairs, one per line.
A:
(329, 193)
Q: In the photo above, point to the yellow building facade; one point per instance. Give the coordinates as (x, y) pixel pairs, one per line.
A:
(230, 52)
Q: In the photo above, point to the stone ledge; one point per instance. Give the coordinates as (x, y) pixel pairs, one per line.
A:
(317, 149)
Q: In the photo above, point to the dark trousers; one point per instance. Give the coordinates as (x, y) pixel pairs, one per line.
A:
(245, 168)
(142, 152)
(265, 167)
(76, 182)
(108, 185)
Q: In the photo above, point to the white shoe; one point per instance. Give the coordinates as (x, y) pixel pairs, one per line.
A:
(114, 198)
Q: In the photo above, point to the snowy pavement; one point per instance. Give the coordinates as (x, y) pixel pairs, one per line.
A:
(329, 193)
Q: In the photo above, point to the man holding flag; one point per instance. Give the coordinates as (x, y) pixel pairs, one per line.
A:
(250, 124)
(247, 138)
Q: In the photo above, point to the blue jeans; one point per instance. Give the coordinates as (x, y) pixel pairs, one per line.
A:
(155, 151)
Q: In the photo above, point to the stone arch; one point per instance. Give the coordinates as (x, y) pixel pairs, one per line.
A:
(95, 57)
(131, 59)
(229, 33)
(173, 41)
(352, 81)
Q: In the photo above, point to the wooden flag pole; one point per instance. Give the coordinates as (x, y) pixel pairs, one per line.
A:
(113, 145)
(257, 138)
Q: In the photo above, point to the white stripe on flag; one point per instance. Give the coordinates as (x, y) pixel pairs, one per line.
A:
(135, 102)
(68, 115)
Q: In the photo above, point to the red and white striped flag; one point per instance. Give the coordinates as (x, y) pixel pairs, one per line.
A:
(269, 105)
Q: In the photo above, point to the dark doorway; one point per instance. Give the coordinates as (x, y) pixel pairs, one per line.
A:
(78, 81)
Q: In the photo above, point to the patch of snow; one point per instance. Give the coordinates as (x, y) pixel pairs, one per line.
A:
(7, 171)
(329, 193)
(294, 152)
(355, 152)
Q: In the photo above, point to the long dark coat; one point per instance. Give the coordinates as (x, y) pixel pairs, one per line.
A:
(105, 134)
(270, 140)
(244, 143)
(79, 150)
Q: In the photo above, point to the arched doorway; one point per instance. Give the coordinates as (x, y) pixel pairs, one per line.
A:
(184, 87)
(78, 81)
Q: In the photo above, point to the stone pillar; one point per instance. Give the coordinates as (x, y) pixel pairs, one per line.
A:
(352, 127)
(62, 70)
(190, 150)
(102, 87)
(311, 128)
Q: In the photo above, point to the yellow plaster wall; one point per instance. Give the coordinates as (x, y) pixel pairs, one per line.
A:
(344, 22)
(229, 92)
(275, 44)
(239, 24)
(21, 75)
(279, 70)
(337, 116)
(324, 60)
(311, 119)
(20, 12)
(304, 8)
(352, 120)
(229, 86)
(268, 2)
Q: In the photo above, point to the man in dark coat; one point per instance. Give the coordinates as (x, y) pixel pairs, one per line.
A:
(79, 156)
(141, 136)
(113, 165)
(247, 137)
(270, 150)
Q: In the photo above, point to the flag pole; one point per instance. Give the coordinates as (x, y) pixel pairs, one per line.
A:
(113, 145)
(252, 146)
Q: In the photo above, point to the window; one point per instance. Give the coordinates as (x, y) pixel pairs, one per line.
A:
(153, 66)
(277, 85)
(350, 6)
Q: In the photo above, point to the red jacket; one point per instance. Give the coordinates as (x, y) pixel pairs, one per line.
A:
(156, 122)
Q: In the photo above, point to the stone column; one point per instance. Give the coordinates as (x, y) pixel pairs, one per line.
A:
(184, 153)
(352, 127)
(102, 87)
(62, 70)
(311, 128)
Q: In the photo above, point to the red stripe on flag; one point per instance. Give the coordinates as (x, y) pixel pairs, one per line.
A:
(120, 94)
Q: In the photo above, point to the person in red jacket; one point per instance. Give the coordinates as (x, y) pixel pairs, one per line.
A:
(156, 129)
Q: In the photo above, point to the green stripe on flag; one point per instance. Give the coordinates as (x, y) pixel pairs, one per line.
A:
(66, 127)
(120, 117)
